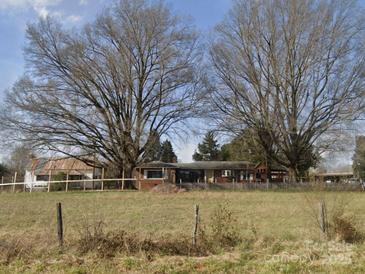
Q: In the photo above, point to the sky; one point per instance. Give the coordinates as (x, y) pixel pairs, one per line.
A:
(15, 14)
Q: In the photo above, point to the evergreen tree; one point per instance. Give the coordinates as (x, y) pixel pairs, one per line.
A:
(208, 150)
(243, 148)
(167, 152)
(247, 147)
(3, 170)
(359, 158)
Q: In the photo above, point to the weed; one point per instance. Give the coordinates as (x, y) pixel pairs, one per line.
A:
(12, 249)
(222, 233)
(224, 227)
(333, 221)
(108, 244)
(344, 229)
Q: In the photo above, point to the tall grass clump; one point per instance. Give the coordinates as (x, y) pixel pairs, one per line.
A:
(221, 233)
(334, 220)
(224, 227)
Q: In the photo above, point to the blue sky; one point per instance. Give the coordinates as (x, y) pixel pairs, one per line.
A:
(15, 14)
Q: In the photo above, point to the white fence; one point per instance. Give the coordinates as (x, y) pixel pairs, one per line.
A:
(30, 186)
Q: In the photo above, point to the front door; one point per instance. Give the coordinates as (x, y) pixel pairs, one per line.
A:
(209, 176)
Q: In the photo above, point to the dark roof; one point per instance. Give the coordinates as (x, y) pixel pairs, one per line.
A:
(273, 166)
(201, 165)
(157, 164)
(216, 165)
(345, 173)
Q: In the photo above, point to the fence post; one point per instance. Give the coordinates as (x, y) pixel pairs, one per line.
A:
(31, 182)
(196, 222)
(49, 181)
(2, 182)
(59, 224)
(102, 177)
(123, 180)
(67, 181)
(323, 216)
(84, 185)
(14, 180)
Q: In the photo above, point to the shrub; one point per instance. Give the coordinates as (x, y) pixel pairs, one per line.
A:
(58, 186)
(94, 239)
(224, 227)
(222, 234)
(13, 249)
(334, 223)
(344, 229)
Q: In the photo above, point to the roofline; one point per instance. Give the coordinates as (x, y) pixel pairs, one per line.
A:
(195, 165)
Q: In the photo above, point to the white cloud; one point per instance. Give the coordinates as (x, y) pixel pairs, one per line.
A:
(185, 152)
(73, 18)
(83, 2)
(41, 7)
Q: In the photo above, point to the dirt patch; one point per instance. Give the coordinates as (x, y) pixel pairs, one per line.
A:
(167, 188)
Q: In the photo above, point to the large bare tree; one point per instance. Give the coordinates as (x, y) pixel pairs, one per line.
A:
(291, 70)
(109, 87)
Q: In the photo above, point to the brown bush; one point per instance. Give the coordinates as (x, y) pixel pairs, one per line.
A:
(108, 244)
(167, 188)
(221, 233)
(344, 229)
(334, 222)
(224, 227)
(12, 249)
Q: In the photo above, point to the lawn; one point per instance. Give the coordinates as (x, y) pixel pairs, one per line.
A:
(278, 231)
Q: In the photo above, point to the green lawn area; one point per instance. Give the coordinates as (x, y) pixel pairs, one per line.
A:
(278, 228)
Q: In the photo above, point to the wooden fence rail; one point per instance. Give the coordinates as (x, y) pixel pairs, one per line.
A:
(46, 184)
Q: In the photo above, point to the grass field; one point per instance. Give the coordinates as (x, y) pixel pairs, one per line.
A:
(277, 230)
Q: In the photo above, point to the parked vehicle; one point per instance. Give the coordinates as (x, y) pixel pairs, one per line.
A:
(353, 181)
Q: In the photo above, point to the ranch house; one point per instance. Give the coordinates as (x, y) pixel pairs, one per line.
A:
(151, 174)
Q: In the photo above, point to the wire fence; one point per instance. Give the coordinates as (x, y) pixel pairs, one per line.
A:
(303, 186)
(134, 183)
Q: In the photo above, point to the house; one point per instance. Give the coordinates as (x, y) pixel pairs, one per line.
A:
(151, 174)
(154, 173)
(40, 171)
(216, 172)
(334, 177)
(273, 173)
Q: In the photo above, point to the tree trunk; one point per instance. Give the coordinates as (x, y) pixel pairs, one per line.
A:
(292, 175)
(128, 173)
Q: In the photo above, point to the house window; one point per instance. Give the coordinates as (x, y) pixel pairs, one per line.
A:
(153, 174)
(42, 178)
(226, 173)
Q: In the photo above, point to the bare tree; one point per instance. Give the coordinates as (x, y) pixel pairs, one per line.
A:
(105, 89)
(19, 158)
(291, 70)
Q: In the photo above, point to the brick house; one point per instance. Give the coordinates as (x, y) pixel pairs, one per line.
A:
(151, 174)
(275, 173)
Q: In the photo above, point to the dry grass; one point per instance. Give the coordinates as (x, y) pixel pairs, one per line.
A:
(262, 226)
